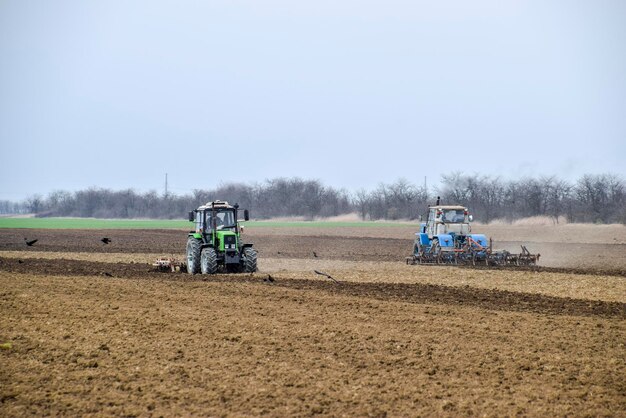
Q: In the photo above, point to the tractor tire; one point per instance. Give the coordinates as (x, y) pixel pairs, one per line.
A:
(249, 260)
(208, 261)
(435, 250)
(417, 254)
(193, 255)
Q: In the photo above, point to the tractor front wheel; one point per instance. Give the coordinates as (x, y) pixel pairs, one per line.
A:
(193, 255)
(249, 260)
(208, 261)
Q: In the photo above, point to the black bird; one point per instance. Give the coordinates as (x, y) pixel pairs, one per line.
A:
(106, 240)
(314, 254)
(31, 242)
(108, 274)
(20, 261)
(269, 278)
(327, 275)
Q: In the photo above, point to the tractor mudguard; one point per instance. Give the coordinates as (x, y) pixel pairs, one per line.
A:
(481, 239)
(422, 239)
(445, 240)
(196, 235)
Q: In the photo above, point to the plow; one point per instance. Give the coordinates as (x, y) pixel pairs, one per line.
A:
(446, 238)
(474, 255)
(170, 264)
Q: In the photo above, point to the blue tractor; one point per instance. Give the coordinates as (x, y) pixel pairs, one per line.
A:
(446, 238)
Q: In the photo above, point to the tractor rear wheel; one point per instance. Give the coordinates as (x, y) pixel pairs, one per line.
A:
(417, 254)
(193, 255)
(249, 260)
(208, 261)
(435, 250)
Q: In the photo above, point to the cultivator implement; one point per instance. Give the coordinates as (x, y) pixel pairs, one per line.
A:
(170, 264)
(476, 258)
(473, 254)
(525, 258)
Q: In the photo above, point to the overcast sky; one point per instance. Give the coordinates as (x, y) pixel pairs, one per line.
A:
(114, 94)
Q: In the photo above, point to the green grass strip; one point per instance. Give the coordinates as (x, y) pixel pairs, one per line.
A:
(327, 224)
(91, 223)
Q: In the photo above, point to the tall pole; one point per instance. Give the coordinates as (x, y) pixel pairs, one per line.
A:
(165, 184)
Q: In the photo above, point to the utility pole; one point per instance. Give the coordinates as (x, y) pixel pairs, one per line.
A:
(165, 184)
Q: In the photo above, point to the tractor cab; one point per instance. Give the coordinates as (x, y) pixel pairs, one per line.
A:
(215, 216)
(446, 220)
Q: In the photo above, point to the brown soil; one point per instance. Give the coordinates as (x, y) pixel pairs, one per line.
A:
(598, 253)
(94, 330)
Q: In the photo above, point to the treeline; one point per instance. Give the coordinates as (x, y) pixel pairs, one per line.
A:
(592, 198)
(277, 197)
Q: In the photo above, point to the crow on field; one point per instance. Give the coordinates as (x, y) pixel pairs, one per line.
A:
(20, 261)
(314, 254)
(31, 242)
(327, 275)
(106, 240)
(106, 273)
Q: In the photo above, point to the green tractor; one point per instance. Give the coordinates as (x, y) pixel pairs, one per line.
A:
(216, 243)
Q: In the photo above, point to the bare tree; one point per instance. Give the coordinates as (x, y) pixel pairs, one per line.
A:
(601, 197)
(556, 192)
(35, 203)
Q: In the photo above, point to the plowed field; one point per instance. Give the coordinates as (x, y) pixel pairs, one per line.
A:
(92, 329)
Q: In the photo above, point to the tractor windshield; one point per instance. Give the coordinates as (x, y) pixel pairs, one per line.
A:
(454, 215)
(223, 219)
